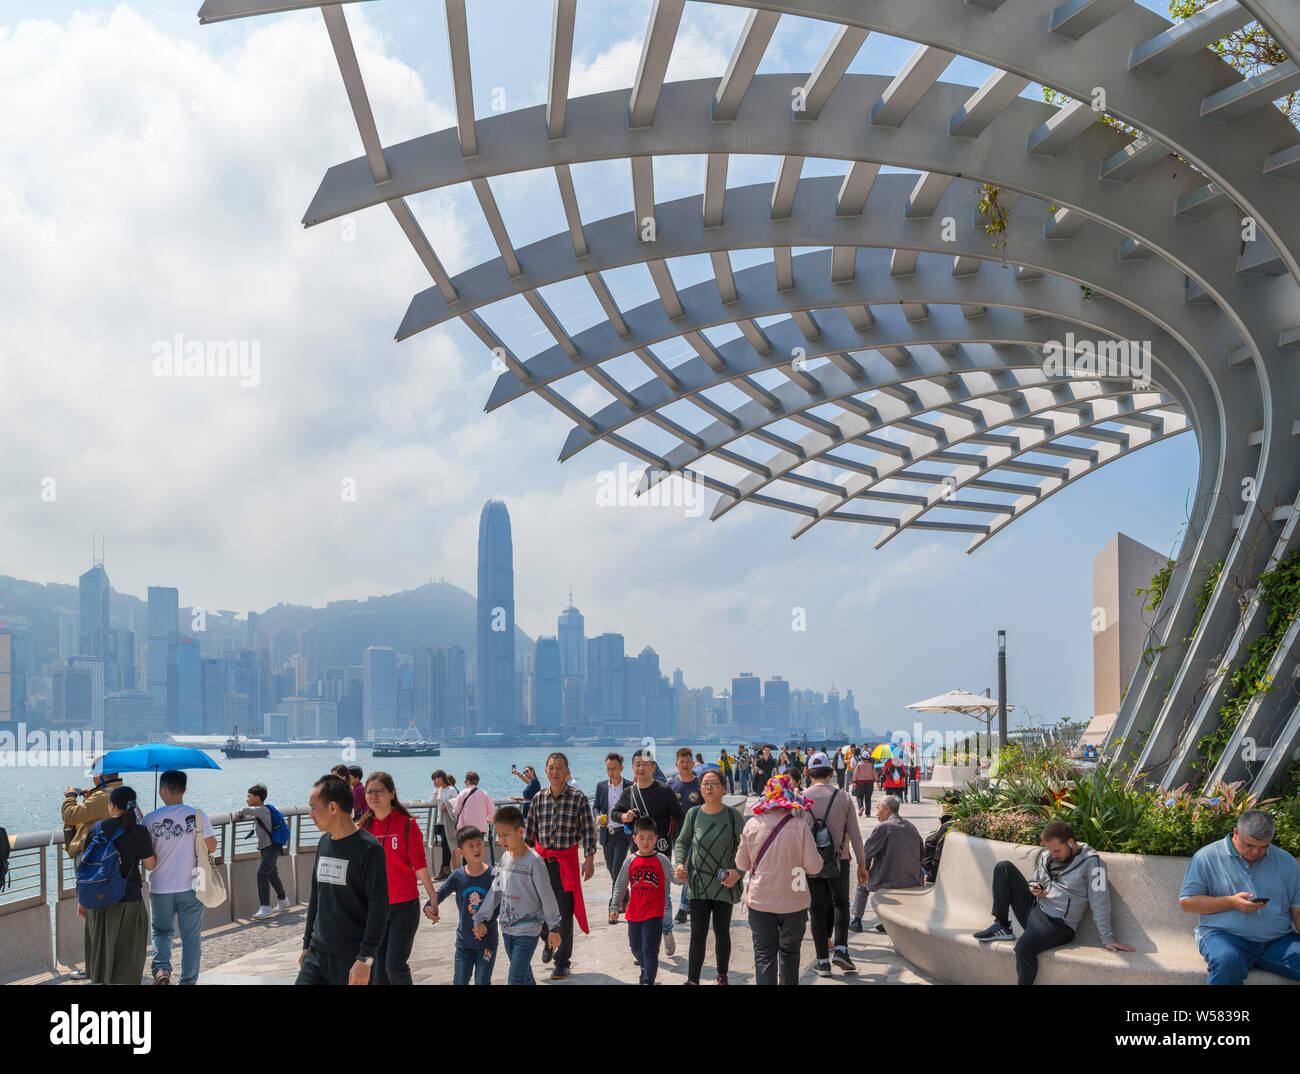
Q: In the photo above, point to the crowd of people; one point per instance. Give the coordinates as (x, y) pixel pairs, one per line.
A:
(787, 860)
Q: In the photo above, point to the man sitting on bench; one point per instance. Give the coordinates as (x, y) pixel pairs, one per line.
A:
(1247, 893)
(1069, 878)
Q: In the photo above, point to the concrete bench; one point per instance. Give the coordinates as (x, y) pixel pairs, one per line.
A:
(932, 927)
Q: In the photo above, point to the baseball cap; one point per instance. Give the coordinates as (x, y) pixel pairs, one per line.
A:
(819, 760)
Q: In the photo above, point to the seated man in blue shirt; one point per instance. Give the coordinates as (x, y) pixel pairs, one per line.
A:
(1247, 893)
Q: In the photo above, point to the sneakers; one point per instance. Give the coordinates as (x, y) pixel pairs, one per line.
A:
(823, 967)
(996, 931)
(878, 927)
(283, 904)
(720, 978)
(670, 944)
(547, 952)
(263, 911)
(681, 916)
(559, 973)
(162, 977)
(855, 925)
(840, 958)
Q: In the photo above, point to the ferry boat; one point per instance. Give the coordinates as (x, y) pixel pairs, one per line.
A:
(234, 748)
(407, 749)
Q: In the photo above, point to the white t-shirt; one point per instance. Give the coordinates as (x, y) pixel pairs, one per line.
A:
(172, 830)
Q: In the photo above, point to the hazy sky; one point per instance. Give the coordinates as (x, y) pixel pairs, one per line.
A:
(153, 174)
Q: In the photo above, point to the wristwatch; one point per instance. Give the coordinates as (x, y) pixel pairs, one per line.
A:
(366, 960)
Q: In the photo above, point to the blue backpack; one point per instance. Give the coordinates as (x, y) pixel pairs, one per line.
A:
(279, 830)
(99, 876)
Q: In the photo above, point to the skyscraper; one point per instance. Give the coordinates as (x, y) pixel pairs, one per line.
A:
(456, 687)
(776, 703)
(189, 687)
(494, 661)
(747, 703)
(571, 632)
(606, 701)
(379, 694)
(6, 676)
(93, 638)
(163, 623)
(547, 689)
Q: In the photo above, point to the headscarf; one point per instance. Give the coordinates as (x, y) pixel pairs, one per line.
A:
(781, 793)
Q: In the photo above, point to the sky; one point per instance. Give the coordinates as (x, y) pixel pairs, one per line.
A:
(153, 176)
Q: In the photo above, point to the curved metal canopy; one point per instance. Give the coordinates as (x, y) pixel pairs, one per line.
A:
(874, 358)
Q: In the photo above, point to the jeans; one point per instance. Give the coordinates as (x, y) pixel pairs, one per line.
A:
(1230, 957)
(519, 952)
(268, 876)
(479, 963)
(701, 911)
(1011, 891)
(394, 951)
(776, 945)
(563, 899)
(731, 783)
(830, 911)
(167, 910)
(645, 937)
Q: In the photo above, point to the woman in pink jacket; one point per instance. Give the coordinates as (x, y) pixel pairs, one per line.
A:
(778, 852)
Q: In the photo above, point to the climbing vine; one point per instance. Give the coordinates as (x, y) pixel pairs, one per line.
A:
(1155, 592)
(994, 214)
(1279, 589)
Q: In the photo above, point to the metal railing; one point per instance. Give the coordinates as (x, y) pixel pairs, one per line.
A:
(39, 868)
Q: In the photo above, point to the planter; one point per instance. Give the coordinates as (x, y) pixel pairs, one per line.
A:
(947, 777)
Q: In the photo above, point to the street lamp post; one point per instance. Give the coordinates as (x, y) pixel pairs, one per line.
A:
(1002, 689)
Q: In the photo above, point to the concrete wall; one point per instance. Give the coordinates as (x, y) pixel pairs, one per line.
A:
(27, 943)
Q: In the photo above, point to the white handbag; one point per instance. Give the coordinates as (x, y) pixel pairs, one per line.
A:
(209, 885)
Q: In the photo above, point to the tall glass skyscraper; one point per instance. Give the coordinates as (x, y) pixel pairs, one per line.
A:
(571, 631)
(494, 679)
(547, 691)
(379, 697)
(163, 627)
(93, 637)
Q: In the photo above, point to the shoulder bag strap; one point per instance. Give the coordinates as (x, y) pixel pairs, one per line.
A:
(768, 842)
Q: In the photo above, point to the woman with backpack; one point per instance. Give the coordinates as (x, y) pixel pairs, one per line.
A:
(835, 831)
(705, 856)
(777, 846)
(894, 778)
(108, 893)
(399, 834)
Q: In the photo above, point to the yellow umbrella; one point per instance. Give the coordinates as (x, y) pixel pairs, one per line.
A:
(882, 753)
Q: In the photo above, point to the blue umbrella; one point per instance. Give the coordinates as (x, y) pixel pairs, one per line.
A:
(152, 757)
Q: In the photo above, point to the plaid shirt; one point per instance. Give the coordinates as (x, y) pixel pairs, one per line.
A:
(558, 823)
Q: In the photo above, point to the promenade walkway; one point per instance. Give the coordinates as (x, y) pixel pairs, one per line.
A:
(602, 957)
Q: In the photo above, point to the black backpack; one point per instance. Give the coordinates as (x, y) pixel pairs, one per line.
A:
(826, 845)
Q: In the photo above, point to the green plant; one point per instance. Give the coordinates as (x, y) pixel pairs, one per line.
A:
(995, 218)
(1155, 592)
(1250, 50)
(1279, 590)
